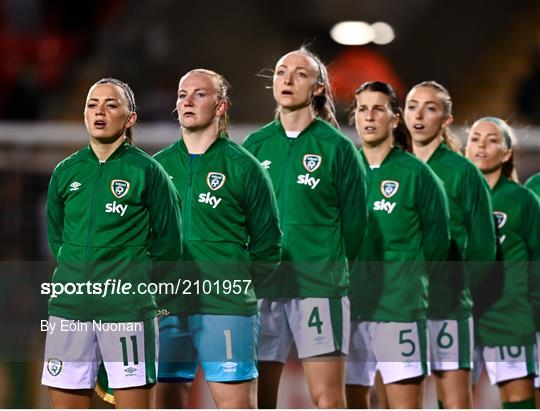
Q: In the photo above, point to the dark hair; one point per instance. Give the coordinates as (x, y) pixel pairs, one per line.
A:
(130, 97)
(508, 167)
(222, 88)
(449, 138)
(402, 137)
(322, 104)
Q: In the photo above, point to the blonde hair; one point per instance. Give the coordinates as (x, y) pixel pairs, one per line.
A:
(449, 138)
(508, 167)
(322, 104)
(222, 90)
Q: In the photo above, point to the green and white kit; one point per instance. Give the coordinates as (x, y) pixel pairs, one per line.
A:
(113, 220)
(319, 184)
(407, 236)
(509, 295)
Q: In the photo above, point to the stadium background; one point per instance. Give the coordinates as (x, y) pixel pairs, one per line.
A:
(487, 53)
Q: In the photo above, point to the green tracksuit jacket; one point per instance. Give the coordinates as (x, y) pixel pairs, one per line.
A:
(119, 220)
(504, 306)
(533, 184)
(231, 226)
(408, 227)
(472, 245)
(319, 183)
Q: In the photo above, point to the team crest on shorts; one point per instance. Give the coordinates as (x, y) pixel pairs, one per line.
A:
(389, 188)
(311, 162)
(501, 218)
(54, 366)
(119, 188)
(215, 180)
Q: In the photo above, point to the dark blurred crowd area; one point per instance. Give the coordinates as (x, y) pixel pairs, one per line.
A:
(39, 42)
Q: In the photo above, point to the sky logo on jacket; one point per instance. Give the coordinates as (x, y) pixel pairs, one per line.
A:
(215, 181)
(311, 162)
(500, 220)
(388, 189)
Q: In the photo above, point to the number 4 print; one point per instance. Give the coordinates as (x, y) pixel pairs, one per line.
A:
(315, 320)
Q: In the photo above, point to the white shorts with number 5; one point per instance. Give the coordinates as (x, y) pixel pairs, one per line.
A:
(397, 350)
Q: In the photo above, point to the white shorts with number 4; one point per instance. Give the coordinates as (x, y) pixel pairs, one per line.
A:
(317, 326)
(74, 351)
(397, 350)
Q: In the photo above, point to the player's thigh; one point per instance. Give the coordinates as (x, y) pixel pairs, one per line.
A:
(226, 345)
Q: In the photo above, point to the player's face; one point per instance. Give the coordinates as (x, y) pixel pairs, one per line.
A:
(424, 114)
(296, 81)
(106, 114)
(197, 102)
(486, 146)
(373, 117)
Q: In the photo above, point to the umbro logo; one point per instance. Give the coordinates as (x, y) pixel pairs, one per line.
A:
(74, 186)
(266, 164)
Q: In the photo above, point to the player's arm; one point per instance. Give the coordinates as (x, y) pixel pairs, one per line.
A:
(262, 223)
(163, 204)
(482, 241)
(55, 216)
(433, 212)
(351, 191)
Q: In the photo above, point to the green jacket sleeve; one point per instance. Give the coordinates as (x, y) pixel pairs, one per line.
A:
(55, 216)
(531, 230)
(351, 191)
(481, 242)
(163, 204)
(262, 223)
(433, 212)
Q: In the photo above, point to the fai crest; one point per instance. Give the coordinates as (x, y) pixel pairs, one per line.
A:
(389, 188)
(54, 366)
(215, 180)
(500, 218)
(311, 162)
(119, 188)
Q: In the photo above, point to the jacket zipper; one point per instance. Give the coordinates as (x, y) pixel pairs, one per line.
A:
(286, 182)
(87, 277)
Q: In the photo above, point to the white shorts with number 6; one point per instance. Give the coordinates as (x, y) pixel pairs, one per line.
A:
(397, 350)
(317, 325)
(75, 349)
(451, 344)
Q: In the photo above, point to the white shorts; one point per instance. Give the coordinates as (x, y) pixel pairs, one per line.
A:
(451, 344)
(537, 379)
(317, 325)
(504, 363)
(397, 350)
(75, 349)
